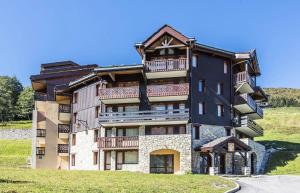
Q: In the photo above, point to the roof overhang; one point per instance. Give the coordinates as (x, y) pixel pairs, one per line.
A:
(221, 145)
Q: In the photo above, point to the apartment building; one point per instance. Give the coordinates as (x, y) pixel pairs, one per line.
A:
(187, 107)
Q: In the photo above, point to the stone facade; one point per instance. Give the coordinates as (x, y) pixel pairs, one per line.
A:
(180, 143)
(259, 152)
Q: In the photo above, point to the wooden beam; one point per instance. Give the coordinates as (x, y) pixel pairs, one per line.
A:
(112, 76)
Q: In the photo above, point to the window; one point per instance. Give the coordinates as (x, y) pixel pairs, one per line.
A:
(201, 86)
(131, 157)
(96, 133)
(225, 67)
(74, 117)
(220, 110)
(220, 89)
(95, 157)
(194, 61)
(97, 89)
(97, 111)
(201, 108)
(196, 132)
(73, 160)
(75, 97)
(73, 139)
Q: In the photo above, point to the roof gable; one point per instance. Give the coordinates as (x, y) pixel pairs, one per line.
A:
(166, 29)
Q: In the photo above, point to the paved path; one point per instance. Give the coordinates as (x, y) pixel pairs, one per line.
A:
(270, 184)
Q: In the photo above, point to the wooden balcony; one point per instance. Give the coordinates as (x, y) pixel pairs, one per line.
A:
(63, 149)
(244, 104)
(40, 151)
(40, 137)
(158, 117)
(243, 83)
(120, 95)
(64, 130)
(124, 142)
(249, 127)
(168, 92)
(41, 132)
(166, 68)
(64, 112)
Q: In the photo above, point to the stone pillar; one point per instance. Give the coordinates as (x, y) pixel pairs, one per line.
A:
(246, 171)
(213, 171)
(228, 163)
(101, 160)
(113, 160)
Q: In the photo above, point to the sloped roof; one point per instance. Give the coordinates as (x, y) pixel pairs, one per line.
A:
(222, 142)
(166, 29)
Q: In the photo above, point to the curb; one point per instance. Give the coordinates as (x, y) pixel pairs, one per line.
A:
(235, 189)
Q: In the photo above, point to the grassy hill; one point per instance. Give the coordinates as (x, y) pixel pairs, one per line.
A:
(283, 97)
(26, 124)
(282, 132)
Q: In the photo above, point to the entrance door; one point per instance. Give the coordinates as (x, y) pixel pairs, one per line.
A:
(119, 161)
(222, 164)
(162, 164)
(107, 157)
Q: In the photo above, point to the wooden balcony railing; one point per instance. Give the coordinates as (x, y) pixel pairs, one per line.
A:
(245, 98)
(41, 132)
(247, 122)
(118, 142)
(164, 65)
(168, 90)
(38, 96)
(242, 77)
(140, 116)
(40, 151)
(64, 128)
(64, 108)
(62, 148)
(119, 92)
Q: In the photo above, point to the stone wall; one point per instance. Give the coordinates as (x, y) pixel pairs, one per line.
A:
(15, 134)
(259, 151)
(180, 143)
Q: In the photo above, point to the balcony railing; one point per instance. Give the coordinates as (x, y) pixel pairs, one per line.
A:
(140, 116)
(41, 132)
(38, 96)
(40, 151)
(245, 98)
(164, 65)
(259, 111)
(243, 77)
(168, 90)
(118, 142)
(247, 122)
(63, 148)
(64, 128)
(64, 108)
(119, 92)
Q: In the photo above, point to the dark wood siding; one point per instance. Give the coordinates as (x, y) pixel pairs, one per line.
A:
(211, 69)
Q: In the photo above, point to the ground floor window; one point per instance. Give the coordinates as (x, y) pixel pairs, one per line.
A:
(95, 157)
(162, 164)
(126, 157)
(73, 160)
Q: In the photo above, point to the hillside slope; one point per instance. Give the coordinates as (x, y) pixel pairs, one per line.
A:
(282, 132)
(283, 97)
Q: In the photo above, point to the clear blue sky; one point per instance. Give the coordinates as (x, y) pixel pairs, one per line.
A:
(104, 32)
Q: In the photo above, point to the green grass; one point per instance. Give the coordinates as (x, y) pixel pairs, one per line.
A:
(27, 124)
(14, 153)
(22, 180)
(282, 132)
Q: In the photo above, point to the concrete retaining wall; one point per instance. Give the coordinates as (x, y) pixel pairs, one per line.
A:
(15, 134)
